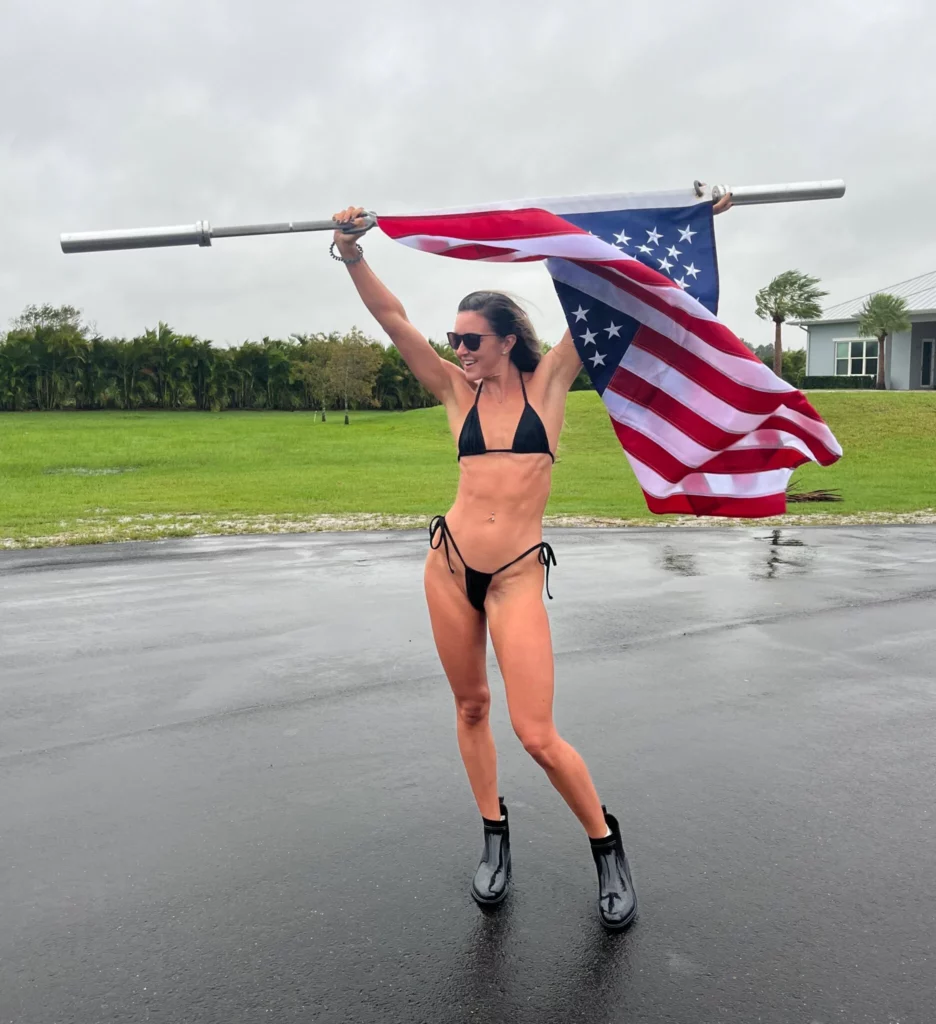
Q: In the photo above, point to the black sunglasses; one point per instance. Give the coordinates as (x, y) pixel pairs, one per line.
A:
(472, 342)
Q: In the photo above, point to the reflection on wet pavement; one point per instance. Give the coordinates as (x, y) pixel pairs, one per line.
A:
(766, 556)
(778, 562)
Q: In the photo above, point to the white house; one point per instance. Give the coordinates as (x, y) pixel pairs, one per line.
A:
(833, 348)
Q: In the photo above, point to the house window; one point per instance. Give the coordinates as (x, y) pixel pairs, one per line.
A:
(856, 357)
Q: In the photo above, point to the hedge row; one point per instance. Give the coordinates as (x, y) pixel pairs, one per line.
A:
(840, 383)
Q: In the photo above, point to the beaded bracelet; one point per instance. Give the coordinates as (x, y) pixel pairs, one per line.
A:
(341, 259)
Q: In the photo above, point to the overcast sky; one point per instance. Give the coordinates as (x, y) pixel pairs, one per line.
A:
(126, 113)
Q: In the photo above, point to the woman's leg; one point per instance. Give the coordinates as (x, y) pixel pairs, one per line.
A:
(460, 636)
(523, 645)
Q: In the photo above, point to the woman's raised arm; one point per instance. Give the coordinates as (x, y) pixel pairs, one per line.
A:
(561, 365)
(429, 368)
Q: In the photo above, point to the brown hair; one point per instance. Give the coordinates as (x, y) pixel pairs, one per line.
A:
(506, 317)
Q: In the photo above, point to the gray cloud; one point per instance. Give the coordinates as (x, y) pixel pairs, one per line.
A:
(133, 112)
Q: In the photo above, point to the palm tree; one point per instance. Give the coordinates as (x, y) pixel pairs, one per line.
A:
(881, 317)
(790, 294)
(129, 367)
(203, 373)
(63, 353)
(247, 362)
(275, 373)
(227, 379)
(396, 387)
(163, 362)
(18, 366)
(94, 375)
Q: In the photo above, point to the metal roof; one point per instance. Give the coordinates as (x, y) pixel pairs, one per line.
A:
(919, 293)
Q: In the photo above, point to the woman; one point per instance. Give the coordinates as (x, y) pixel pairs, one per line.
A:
(487, 560)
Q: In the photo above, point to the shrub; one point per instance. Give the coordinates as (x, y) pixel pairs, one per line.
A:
(839, 383)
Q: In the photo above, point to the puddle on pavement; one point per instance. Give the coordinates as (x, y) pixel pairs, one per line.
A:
(681, 564)
(782, 562)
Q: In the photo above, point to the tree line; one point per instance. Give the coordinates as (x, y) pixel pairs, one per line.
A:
(51, 359)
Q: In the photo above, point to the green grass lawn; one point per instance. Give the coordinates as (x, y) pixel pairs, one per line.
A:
(65, 477)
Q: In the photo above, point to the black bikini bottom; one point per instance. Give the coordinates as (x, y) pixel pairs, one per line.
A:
(477, 583)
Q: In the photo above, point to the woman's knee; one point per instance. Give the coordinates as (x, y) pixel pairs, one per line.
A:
(473, 710)
(541, 743)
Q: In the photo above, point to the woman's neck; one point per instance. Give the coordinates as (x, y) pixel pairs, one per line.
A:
(500, 384)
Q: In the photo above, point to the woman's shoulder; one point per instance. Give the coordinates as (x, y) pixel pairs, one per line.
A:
(559, 367)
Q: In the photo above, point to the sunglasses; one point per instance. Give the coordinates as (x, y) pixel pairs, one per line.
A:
(472, 342)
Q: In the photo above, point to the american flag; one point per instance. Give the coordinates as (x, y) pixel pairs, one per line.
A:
(707, 428)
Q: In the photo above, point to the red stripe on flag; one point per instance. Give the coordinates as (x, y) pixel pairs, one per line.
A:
(742, 460)
(690, 423)
(474, 251)
(488, 226)
(714, 505)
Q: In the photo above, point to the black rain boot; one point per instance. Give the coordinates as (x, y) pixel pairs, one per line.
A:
(489, 885)
(617, 899)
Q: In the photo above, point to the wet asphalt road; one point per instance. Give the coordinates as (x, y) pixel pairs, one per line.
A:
(230, 791)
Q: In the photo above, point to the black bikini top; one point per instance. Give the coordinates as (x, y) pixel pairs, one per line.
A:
(530, 437)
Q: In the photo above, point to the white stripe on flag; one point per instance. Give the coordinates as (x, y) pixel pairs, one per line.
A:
(693, 396)
(573, 246)
(723, 485)
(682, 447)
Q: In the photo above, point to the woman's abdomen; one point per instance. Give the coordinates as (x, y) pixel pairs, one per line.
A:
(498, 511)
